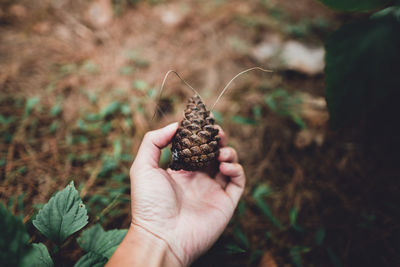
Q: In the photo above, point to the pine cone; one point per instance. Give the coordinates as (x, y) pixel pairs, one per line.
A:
(195, 144)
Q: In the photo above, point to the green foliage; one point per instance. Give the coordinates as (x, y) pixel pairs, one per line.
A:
(126, 70)
(38, 257)
(91, 259)
(218, 117)
(233, 248)
(259, 193)
(13, 238)
(140, 85)
(334, 259)
(354, 5)
(243, 120)
(30, 104)
(6, 120)
(319, 236)
(285, 104)
(362, 68)
(55, 110)
(100, 242)
(241, 237)
(62, 216)
(296, 254)
(112, 108)
(293, 220)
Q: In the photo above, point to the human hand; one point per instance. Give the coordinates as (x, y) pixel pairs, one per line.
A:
(188, 210)
(176, 215)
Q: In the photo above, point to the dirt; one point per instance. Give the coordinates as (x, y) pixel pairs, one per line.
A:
(336, 183)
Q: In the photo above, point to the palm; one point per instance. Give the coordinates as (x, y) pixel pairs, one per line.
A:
(181, 204)
(188, 210)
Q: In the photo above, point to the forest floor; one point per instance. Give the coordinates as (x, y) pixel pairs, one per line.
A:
(79, 83)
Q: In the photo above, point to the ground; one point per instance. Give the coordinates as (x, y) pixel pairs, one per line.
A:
(80, 84)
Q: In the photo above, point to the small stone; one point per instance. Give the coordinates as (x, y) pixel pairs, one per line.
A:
(299, 57)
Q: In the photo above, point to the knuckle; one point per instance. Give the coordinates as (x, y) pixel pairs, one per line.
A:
(239, 168)
(149, 135)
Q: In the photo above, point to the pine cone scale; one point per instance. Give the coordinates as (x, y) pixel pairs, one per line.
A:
(195, 144)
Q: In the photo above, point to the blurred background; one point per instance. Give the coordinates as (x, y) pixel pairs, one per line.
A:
(79, 84)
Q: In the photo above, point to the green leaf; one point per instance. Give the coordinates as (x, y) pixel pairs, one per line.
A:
(93, 117)
(293, 220)
(262, 190)
(141, 85)
(165, 157)
(241, 207)
(362, 69)
(241, 237)
(125, 109)
(91, 259)
(334, 259)
(295, 253)
(232, 248)
(109, 165)
(319, 236)
(243, 120)
(110, 109)
(30, 104)
(101, 242)
(53, 127)
(259, 193)
(257, 112)
(218, 117)
(126, 70)
(13, 238)
(268, 213)
(7, 120)
(62, 216)
(106, 127)
(117, 149)
(55, 110)
(354, 5)
(38, 257)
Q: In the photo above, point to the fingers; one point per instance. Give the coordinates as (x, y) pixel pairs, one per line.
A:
(222, 136)
(222, 180)
(227, 154)
(235, 187)
(150, 149)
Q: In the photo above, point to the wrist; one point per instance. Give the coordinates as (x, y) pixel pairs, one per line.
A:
(140, 247)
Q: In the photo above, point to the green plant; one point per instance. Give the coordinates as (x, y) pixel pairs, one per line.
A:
(285, 104)
(58, 220)
(362, 63)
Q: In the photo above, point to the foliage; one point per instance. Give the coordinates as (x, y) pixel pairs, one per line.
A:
(38, 257)
(362, 67)
(13, 238)
(103, 243)
(62, 216)
(285, 104)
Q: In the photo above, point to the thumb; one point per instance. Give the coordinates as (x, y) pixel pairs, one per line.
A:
(153, 141)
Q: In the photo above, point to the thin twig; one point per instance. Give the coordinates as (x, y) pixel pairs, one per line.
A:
(163, 83)
(237, 75)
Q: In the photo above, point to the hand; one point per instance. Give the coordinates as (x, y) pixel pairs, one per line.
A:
(187, 210)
